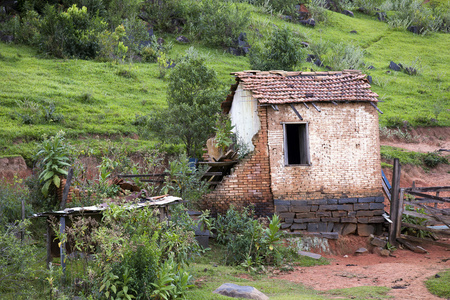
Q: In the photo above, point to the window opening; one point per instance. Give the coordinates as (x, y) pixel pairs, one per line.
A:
(296, 150)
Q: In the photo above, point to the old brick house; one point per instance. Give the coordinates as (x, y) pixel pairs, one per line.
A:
(315, 156)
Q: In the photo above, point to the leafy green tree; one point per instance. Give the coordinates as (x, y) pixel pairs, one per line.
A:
(193, 102)
(280, 52)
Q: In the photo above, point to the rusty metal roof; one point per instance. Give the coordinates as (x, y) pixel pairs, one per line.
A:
(280, 87)
(98, 209)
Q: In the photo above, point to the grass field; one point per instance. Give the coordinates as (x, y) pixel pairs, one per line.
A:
(94, 102)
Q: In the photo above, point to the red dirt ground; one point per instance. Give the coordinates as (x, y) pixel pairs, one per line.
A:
(405, 272)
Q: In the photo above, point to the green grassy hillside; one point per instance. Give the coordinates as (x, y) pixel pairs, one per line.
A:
(97, 101)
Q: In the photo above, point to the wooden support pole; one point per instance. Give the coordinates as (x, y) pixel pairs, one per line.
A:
(399, 213)
(62, 247)
(306, 105)
(49, 242)
(394, 213)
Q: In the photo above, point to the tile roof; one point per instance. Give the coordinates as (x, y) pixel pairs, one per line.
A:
(278, 87)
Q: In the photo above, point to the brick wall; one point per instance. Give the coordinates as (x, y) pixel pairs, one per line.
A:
(249, 182)
(344, 152)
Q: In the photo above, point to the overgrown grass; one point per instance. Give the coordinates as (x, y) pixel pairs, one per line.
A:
(430, 159)
(99, 101)
(361, 292)
(439, 286)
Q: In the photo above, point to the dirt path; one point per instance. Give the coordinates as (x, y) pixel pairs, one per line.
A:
(405, 273)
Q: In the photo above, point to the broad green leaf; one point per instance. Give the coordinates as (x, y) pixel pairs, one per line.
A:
(56, 180)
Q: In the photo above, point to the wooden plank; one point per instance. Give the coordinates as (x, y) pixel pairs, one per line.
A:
(143, 175)
(424, 240)
(306, 105)
(398, 230)
(425, 196)
(429, 189)
(394, 211)
(151, 180)
(430, 210)
(213, 174)
(62, 245)
(218, 163)
(411, 246)
(295, 110)
(418, 227)
(417, 215)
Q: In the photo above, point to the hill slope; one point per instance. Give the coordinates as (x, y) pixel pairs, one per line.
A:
(90, 99)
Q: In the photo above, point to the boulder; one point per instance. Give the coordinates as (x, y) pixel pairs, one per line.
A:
(370, 79)
(370, 67)
(361, 250)
(354, 32)
(309, 254)
(381, 16)
(309, 22)
(304, 44)
(183, 39)
(394, 66)
(349, 229)
(310, 58)
(365, 229)
(378, 242)
(238, 291)
(348, 13)
(318, 63)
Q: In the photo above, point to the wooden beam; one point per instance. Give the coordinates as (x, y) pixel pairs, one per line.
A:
(424, 240)
(371, 103)
(398, 230)
(213, 174)
(295, 110)
(429, 209)
(334, 102)
(425, 228)
(275, 107)
(218, 163)
(316, 107)
(62, 245)
(306, 105)
(411, 246)
(425, 196)
(143, 175)
(417, 215)
(394, 212)
(429, 189)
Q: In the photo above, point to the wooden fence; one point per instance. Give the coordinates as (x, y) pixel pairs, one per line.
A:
(418, 209)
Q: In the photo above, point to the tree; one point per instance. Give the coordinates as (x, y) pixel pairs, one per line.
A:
(193, 102)
(280, 52)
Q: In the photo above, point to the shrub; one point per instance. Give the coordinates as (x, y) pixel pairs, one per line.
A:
(11, 196)
(345, 56)
(432, 159)
(280, 52)
(318, 11)
(161, 13)
(246, 241)
(72, 33)
(218, 23)
(17, 260)
(53, 158)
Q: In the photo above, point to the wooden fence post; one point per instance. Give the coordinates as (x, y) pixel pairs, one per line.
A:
(394, 211)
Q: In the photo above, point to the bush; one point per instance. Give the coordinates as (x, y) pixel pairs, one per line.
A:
(280, 52)
(11, 196)
(17, 259)
(432, 159)
(345, 56)
(72, 33)
(217, 23)
(161, 13)
(318, 11)
(247, 243)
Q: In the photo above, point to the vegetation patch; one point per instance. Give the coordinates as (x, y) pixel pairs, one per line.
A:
(438, 284)
(430, 159)
(362, 292)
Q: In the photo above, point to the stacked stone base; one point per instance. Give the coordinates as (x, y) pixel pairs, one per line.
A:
(343, 216)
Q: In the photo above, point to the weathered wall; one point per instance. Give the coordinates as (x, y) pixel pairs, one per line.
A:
(250, 180)
(244, 117)
(344, 150)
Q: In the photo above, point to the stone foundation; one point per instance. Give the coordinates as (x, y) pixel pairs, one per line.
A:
(344, 215)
